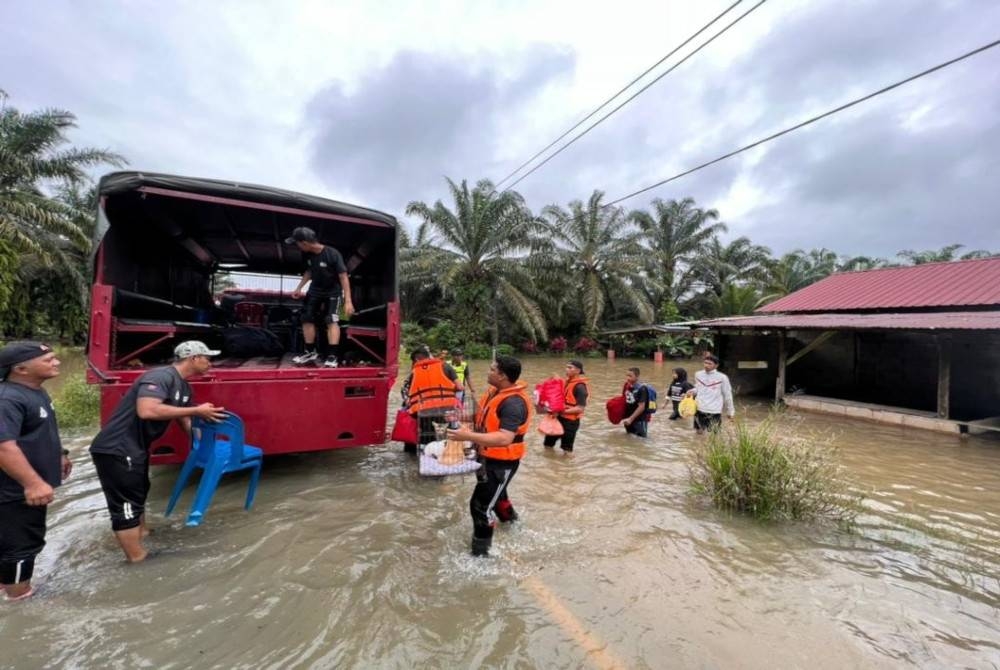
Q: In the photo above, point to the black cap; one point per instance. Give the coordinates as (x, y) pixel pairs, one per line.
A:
(457, 351)
(19, 352)
(301, 234)
(576, 363)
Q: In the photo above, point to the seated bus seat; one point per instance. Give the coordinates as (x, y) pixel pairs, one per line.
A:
(218, 449)
(250, 313)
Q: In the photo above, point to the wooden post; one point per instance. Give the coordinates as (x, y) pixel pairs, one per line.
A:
(944, 374)
(779, 386)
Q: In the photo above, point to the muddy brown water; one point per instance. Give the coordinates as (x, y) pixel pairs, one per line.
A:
(350, 559)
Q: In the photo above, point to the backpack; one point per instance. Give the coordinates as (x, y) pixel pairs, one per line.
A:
(651, 403)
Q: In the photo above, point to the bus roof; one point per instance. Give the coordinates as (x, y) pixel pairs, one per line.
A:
(122, 182)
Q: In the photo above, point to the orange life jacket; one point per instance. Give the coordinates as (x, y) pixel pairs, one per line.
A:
(488, 421)
(430, 387)
(570, 399)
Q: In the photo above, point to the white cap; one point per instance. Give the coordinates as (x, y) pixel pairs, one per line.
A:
(193, 348)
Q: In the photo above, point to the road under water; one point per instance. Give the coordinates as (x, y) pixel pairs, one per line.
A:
(351, 559)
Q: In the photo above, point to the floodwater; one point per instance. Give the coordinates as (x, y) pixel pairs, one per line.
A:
(350, 559)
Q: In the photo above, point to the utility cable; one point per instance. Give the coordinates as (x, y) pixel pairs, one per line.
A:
(810, 121)
(622, 90)
(635, 95)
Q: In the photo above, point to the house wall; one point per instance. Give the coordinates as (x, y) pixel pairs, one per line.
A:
(732, 349)
(975, 375)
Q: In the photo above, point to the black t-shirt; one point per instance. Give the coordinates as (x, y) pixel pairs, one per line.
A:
(324, 270)
(27, 417)
(635, 396)
(678, 389)
(125, 433)
(512, 412)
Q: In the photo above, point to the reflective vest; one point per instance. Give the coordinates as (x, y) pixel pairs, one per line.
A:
(488, 421)
(460, 371)
(431, 388)
(570, 399)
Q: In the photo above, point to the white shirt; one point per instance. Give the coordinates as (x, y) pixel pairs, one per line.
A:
(713, 392)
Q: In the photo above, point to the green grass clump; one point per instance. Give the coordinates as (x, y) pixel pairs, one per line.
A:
(77, 404)
(764, 471)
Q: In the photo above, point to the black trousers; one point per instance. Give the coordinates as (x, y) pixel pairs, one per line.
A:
(489, 501)
(568, 438)
(22, 537)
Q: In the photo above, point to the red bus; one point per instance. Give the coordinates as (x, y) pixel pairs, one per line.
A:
(163, 244)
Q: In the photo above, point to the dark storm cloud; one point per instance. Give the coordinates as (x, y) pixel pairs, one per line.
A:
(870, 181)
(421, 118)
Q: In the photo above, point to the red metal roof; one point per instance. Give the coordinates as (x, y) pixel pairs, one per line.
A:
(956, 284)
(839, 321)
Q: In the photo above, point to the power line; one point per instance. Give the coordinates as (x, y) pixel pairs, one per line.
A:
(635, 95)
(622, 90)
(809, 121)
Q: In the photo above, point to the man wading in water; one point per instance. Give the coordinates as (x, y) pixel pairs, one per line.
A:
(501, 423)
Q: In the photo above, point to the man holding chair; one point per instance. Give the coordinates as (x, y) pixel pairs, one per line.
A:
(121, 450)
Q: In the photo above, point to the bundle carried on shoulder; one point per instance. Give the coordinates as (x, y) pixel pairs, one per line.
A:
(550, 395)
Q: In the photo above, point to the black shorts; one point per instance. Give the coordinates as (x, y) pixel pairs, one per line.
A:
(22, 537)
(125, 485)
(703, 421)
(325, 308)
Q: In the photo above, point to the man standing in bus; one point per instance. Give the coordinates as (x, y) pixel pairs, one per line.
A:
(501, 424)
(121, 450)
(329, 285)
(32, 461)
(577, 393)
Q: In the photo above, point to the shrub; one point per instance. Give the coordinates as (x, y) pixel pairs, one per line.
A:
(443, 335)
(767, 473)
(478, 350)
(585, 345)
(505, 350)
(77, 404)
(558, 345)
(529, 347)
(412, 335)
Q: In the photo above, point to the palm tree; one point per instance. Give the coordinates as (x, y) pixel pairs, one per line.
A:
(943, 255)
(796, 270)
(738, 262)
(474, 254)
(735, 300)
(598, 251)
(859, 263)
(31, 157)
(677, 232)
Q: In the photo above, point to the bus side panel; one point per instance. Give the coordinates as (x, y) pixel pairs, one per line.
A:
(283, 417)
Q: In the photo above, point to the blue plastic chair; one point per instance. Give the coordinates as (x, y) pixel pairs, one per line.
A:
(218, 448)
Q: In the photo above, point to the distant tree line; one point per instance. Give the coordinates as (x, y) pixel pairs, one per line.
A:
(484, 268)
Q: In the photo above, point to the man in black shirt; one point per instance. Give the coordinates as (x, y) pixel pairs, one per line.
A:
(636, 404)
(121, 450)
(501, 424)
(326, 274)
(32, 461)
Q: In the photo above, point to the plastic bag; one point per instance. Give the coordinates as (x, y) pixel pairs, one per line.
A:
(550, 426)
(405, 429)
(616, 409)
(687, 407)
(551, 394)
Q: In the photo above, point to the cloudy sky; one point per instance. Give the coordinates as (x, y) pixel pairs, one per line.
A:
(376, 102)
